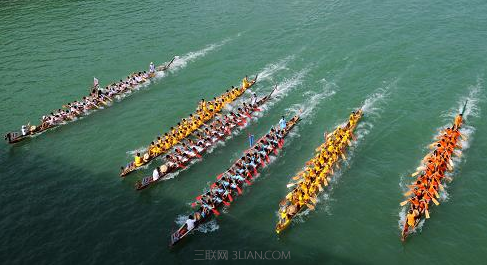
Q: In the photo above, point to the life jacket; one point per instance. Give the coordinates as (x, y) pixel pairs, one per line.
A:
(411, 219)
(138, 161)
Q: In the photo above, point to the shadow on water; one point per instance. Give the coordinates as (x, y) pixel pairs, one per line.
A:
(57, 213)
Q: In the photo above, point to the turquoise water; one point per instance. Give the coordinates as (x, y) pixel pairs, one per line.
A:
(410, 65)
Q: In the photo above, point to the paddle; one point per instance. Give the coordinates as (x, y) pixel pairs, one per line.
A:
(437, 195)
(404, 202)
(291, 184)
(433, 199)
(311, 207)
(319, 148)
(427, 213)
(215, 211)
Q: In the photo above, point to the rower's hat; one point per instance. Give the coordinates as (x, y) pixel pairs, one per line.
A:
(163, 168)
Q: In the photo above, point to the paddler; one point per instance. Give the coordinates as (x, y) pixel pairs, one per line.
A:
(411, 218)
(190, 223)
(152, 68)
(253, 100)
(156, 174)
(245, 83)
(138, 160)
(458, 121)
(24, 130)
(282, 123)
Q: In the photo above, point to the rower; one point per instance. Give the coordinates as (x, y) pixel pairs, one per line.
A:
(253, 100)
(190, 223)
(458, 121)
(152, 68)
(138, 160)
(411, 218)
(24, 130)
(156, 174)
(245, 83)
(282, 123)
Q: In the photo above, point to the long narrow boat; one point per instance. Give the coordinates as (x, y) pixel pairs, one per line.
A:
(170, 167)
(430, 176)
(318, 172)
(209, 201)
(194, 122)
(33, 130)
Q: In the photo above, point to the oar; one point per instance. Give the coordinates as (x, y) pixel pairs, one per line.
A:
(311, 207)
(404, 202)
(415, 174)
(437, 195)
(319, 148)
(409, 193)
(299, 175)
(433, 199)
(215, 211)
(427, 213)
(291, 185)
(325, 182)
(313, 199)
(344, 157)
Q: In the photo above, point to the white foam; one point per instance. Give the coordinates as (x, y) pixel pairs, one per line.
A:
(181, 62)
(270, 69)
(313, 99)
(472, 109)
(141, 150)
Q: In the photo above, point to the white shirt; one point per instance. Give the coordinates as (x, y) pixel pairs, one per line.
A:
(24, 130)
(190, 224)
(155, 175)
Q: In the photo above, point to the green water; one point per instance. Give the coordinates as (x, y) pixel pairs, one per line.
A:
(410, 63)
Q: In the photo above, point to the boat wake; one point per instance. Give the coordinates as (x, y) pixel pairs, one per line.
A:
(313, 99)
(270, 69)
(181, 62)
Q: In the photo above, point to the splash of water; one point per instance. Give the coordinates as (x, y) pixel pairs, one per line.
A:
(270, 69)
(181, 62)
(313, 99)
